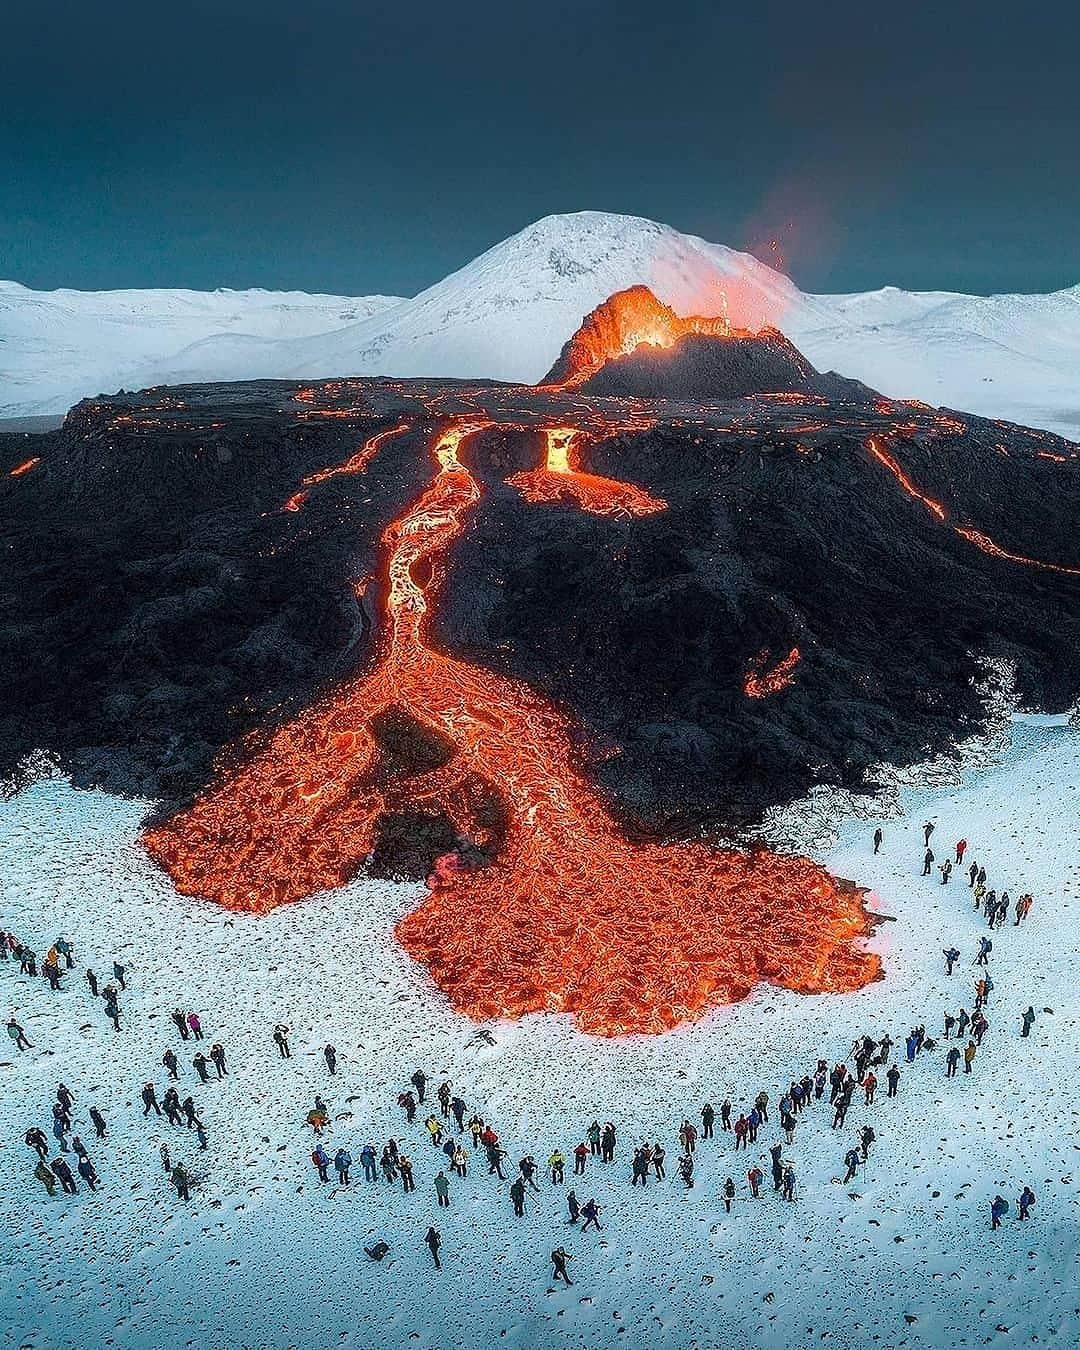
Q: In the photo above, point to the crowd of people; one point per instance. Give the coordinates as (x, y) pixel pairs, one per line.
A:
(460, 1134)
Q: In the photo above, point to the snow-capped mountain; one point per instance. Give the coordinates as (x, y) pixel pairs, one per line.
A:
(507, 313)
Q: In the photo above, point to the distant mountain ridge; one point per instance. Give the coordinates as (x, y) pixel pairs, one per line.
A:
(506, 315)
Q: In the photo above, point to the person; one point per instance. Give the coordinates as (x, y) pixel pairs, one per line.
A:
(442, 1189)
(573, 1206)
(866, 1138)
(318, 1119)
(112, 1006)
(476, 1129)
(188, 1105)
(590, 1212)
(852, 1159)
(985, 948)
(85, 1169)
(1027, 1021)
(330, 1055)
(419, 1082)
(973, 872)
(961, 849)
(434, 1242)
(725, 1114)
(708, 1115)
(407, 1102)
(79, 1147)
(927, 862)
(1027, 1199)
(742, 1127)
(460, 1161)
(444, 1094)
(35, 1139)
(217, 1054)
(893, 1079)
(777, 1166)
(45, 1176)
(963, 1022)
(593, 1136)
(199, 1065)
(559, 1258)
(789, 1182)
(688, 1136)
(378, 1251)
(640, 1167)
(1023, 908)
(950, 1025)
(405, 1168)
(367, 1162)
(607, 1143)
(180, 1180)
(150, 1101)
(969, 1056)
(928, 830)
(98, 1121)
(200, 1135)
(495, 1155)
(729, 1194)
(581, 1152)
(952, 955)
(878, 837)
(64, 947)
(999, 1207)
(342, 1163)
(952, 1060)
(91, 980)
(557, 1164)
(869, 1086)
(179, 1018)
(686, 1169)
(946, 871)
(171, 1064)
(63, 1174)
(281, 1040)
(517, 1195)
(755, 1176)
(18, 1035)
(119, 971)
(658, 1156)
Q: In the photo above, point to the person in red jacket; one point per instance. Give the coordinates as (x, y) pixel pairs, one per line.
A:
(742, 1127)
(869, 1084)
(961, 847)
(580, 1154)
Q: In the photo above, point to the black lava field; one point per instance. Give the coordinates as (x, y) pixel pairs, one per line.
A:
(820, 593)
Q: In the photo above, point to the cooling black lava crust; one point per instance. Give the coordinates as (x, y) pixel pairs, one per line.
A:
(166, 602)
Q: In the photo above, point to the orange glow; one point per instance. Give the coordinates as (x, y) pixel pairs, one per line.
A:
(558, 482)
(883, 457)
(24, 467)
(295, 502)
(357, 463)
(571, 917)
(968, 532)
(763, 679)
(627, 320)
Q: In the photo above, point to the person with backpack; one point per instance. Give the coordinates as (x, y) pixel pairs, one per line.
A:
(559, 1258)
(342, 1163)
(852, 1160)
(433, 1239)
(1023, 1205)
(999, 1207)
(755, 1176)
(729, 1194)
(442, 1189)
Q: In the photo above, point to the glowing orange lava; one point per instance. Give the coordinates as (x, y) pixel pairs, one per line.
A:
(24, 467)
(968, 532)
(558, 482)
(571, 916)
(763, 679)
(626, 320)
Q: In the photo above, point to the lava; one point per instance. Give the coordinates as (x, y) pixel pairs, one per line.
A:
(557, 481)
(626, 320)
(24, 467)
(571, 916)
(762, 679)
(968, 532)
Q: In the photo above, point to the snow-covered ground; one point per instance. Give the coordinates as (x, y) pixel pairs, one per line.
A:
(506, 314)
(265, 1256)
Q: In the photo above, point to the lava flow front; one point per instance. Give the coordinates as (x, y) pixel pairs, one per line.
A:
(571, 916)
(557, 481)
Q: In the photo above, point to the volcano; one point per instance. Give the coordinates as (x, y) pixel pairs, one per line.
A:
(634, 346)
(536, 643)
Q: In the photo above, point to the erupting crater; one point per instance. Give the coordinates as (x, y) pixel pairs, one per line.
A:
(570, 916)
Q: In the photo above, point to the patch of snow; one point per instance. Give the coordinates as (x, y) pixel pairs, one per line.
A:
(265, 1256)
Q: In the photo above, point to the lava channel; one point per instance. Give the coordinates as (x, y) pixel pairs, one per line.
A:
(571, 916)
(558, 481)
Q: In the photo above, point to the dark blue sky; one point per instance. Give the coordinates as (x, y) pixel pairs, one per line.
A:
(353, 147)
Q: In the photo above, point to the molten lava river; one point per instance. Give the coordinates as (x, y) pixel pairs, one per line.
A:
(571, 916)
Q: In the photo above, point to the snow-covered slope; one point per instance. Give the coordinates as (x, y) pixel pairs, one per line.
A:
(507, 313)
(58, 346)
